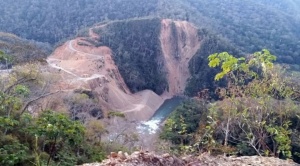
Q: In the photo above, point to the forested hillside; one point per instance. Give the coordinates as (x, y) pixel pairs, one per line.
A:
(250, 25)
(137, 52)
(51, 21)
(20, 50)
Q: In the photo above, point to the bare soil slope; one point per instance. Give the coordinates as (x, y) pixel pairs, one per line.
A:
(83, 65)
(180, 43)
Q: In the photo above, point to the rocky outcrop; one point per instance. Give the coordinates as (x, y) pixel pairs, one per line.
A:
(207, 160)
(151, 159)
(139, 159)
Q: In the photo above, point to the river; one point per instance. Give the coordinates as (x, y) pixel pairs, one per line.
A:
(152, 125)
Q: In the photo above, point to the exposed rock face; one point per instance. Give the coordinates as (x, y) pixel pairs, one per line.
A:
(139, 159)
(150, 159)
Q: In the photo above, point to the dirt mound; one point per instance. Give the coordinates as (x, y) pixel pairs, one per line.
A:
(151, 159)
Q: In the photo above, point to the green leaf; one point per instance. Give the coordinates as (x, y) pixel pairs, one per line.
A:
(214, 62)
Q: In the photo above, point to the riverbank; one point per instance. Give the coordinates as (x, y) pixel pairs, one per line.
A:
(153, 124)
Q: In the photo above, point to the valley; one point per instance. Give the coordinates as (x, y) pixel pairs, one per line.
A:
(83, 65)
(149, 82)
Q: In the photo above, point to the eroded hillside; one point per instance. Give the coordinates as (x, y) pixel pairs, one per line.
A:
(132, 66)
(179, 42)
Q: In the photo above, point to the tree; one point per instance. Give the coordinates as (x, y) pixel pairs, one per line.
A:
(37, 140)
(6, 59)
(19, 88)
(58, 131)
(28, 84)
(260, 101)
(182, 124)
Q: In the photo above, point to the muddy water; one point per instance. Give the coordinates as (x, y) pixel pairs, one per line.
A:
(152, 125)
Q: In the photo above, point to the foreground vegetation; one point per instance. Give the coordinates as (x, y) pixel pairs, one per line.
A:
(46, 138)
(258, 113)
(35, 130)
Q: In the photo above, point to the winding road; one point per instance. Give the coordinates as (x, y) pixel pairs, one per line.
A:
(70, 46)
(51, 62)
(135, 102)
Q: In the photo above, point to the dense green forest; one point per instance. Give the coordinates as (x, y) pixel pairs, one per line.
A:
(21, 50)
(249, 25)
(52, 21)
(137, 52)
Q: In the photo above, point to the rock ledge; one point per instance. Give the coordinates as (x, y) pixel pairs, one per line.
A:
(150, 159)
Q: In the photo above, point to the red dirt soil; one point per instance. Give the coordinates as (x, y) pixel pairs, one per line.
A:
(92, 68)
(177, 62)
(84, 66)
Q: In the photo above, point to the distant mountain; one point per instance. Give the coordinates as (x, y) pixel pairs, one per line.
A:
(249, 25)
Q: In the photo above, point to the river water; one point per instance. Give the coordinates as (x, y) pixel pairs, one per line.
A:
(152, 125)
